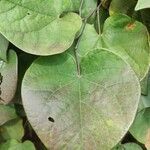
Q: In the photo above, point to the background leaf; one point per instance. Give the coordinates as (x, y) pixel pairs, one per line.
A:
(12, 129)
(40, 27)
(129, 39)
(87, 8)
(7, 113)
(123, 7)
(142, 4)
(80, 111)
(144, 85)
(9, 75)
(15, 145)
(115, 36)
(90, 40)
(128, 146)
(145, 99)
(3, 47)
(141, 127)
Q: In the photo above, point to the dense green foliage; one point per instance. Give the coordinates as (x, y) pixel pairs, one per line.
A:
(74, 74)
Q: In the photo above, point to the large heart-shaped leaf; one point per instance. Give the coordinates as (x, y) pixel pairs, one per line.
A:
(40, 27)
(3, 47)
(88, 110)
(141, 127)
(8, 72)
(142, 4)
(15, 145)
(7, 113)
(124, 36)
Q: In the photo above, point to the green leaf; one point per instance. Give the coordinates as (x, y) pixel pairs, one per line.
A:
(144, 85)
(89, 40)
(141, 127)
(40, 27)
(128, 146)
(88, 110)
(7, 113)
(131, 146)
(87, 8)
(145, 100)
(123, 36)
(12, 130)
(129, 39)
(124, 7)
(8, 72)
(15, 145)
(142, 4)
(3, 47)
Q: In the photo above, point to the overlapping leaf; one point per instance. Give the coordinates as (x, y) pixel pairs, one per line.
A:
(3, 48)
(8, 74)
(7, 113)
(40, 27)
(141, 127)
(15, 145)
(129, 39)
(141, 4)
(124, 36)
(145, 99)
(87, 8)
(124, 7)
(128, 146)
(90, 110)
(144, 85)
(13, 129)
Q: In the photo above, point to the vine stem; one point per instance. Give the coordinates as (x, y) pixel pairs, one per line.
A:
(80, 9)
(98, 20)
(81, 32)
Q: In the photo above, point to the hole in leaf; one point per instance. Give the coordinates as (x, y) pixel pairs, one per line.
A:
(51, 119)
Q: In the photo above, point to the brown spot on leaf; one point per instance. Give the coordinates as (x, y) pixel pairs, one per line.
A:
(147, 143)
(130, 26)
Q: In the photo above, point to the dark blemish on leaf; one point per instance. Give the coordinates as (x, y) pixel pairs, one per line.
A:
(51, 119)
(130, 26)
(1, 80)
(28, 13)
